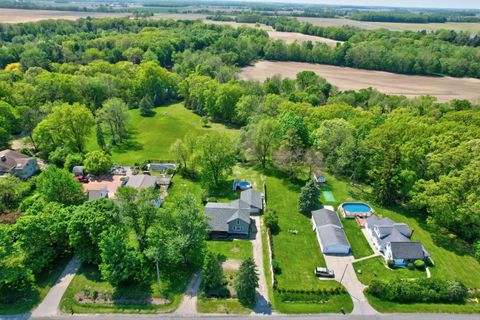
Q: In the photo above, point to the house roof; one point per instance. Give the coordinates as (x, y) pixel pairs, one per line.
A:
(394, 236)
(331, 235)
(77, 170)
(97, 194)
(252, 197)
(408, 250)
(141, 181)
(222, 213)
(10, 159)
(323, 217)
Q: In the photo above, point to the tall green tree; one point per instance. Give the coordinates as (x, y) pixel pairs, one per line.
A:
(212, 273)
(58, 185)
(246, 282)
(114, 116)
(97, 162)
(309, 199)
(261, 138)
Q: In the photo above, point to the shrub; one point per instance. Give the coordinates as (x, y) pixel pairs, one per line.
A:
(391, 263)
(276, 267)
(476, 249)
(97, 162)
(410, 266)
(72, 160)
(271, 221)
(419, 264)
(419, 290)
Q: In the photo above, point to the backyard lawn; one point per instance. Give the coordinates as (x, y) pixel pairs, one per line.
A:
(87, 291)
(151, 137)
(231, 249)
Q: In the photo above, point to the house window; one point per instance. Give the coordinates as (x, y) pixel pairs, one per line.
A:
(238, 222)
(238, 228)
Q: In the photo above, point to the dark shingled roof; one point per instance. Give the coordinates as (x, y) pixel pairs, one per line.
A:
(323, 217)
(253, 198)
(12, 159)
(221, 214)
(408, 250)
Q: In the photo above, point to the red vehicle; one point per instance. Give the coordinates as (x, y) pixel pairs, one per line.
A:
(82, 179)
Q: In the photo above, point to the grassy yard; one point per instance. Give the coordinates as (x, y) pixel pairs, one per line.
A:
(151, 137)
(360, 246)
(228, 306)
(32, 298)
(333, 305)
(231, 249)
(126, 299)
(449, 264)
(375, 269)
(390, 307)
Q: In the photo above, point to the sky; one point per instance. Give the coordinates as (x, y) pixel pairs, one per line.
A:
(470, 4)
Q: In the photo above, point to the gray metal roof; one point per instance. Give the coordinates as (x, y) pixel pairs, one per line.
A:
(141, 181)
(331, 235)
(408, 250)
(252, 197)
(97, 194)
(221, 214)
(323, 217)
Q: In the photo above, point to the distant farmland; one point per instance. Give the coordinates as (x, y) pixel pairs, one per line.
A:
(21, 15)
(444, 89)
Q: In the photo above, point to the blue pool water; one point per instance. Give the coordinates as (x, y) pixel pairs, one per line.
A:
(244, 184)
(356, 207)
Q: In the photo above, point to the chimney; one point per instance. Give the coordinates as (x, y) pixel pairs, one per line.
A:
(3, 158)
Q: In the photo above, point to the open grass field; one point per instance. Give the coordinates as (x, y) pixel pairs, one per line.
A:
(375, 269)
(227, 306)
(151, 137)
(370, 25)
(44, 282)
(22, 15)
(444, 88)
(127, 299)
(231, 249)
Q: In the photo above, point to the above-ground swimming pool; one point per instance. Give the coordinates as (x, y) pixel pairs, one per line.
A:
(353, 209)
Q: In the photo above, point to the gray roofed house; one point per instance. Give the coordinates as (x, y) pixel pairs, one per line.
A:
(97, 194)
(78, 170)
(393, 240)
(141, 181)
(330, 234)
(323, 217)
(229, 218)
(254, 199)
(17, 164)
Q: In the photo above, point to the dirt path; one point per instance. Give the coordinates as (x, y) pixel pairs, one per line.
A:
(262, 304)
(49, 306)
(188, 306)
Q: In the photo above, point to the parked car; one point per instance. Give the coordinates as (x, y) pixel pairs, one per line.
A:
(82, 179)
(324, 272)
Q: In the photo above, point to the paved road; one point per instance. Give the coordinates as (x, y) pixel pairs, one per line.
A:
(188, 306)
(262, 304)
(345, 274)
(49, 305)
(273, 317)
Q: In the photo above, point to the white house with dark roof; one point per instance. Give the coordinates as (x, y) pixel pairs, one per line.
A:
(392, 239)
(330, 233)
(17, 164)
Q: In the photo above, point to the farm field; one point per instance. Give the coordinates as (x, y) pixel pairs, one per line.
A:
(151, 137)
(444, 88)
(23, 15)
(290, 37)
(370, 25)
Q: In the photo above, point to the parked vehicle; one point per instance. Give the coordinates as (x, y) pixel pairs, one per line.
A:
(82, 179)
(324, 272)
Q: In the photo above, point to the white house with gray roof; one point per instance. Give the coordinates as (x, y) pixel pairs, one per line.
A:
(392, 239)
(330, 234)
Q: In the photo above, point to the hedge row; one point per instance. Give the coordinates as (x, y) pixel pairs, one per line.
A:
(323, 291)
(419, 290)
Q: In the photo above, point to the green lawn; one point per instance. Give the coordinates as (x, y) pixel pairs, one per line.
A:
(374, 268)
(228, 306)
(448, 264)
(231, 249)
(151, 137)
(333, 305)
(88, 278)
(390, 307)
(44, 282)
(360, 246)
